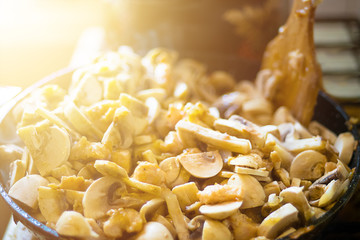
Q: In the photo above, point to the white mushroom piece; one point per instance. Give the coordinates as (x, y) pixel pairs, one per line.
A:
(296, 197)
(251, 191)
(191, 133)
(98, 197)
(317, 128)
(49, 146)
(26, 190)
(215, 230)
(278, 221)
(220, 211)
(202, 165)
(73, 224)
(308, 165)
(52, 203)
(344, 144)
(154, 231)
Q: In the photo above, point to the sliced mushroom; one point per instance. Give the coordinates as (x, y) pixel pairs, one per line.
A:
(186, 194)
(49, 146)
(332, 191)
(26, 190)
(52, 203)
(241, 128)
(287, 132)
(344, 144)
(296, 197)
(150, 207)
(17, 171)
(251, 191)
(299, 145)
(215, 230)
(108, 168)
(202, 165)
(154, 231)
(243, 227)
(308, 165)
(220, 211)
(317, 128)
(191, 133)
(278, 221)
(80, 122)
(154, 109)
(171, 166)
(97, 198)
(73, 224)
(87, 91)
(254, 172)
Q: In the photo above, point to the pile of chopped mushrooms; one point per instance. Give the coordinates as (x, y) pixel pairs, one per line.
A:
(158, 148)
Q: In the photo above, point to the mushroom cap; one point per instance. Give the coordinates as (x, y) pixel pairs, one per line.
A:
(202, 165)
(49, 146)
(171, 166)
(221, 210)
(278, 221)
(344, 144)
(74, 224)
(96, 200)
(252, 193)
(26, 190)
(215, 230)
(308, 165)
(154, 231)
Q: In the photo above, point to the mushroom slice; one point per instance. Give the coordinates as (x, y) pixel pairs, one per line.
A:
(73, 224)
(80, 122)
(299, 145)
(252, 193)
(154, 109)
(190, 133)
(154, 231)
(26, 190)
(108, 168)
(215, 230)
(48, 146)
(186, 194)
(52, 203)
(202, 165)
(17, 171)
(254, 172)
(97, 198)
(150, 206)
(308, 165)
(318, 129)
(87, 91)
(220, 211)
(278, 221)
(332, 191)
(344, 144)
(171, 166)
(296, 197)
(241, 128)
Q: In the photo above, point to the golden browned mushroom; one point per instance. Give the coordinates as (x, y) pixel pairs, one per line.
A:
(294, 76)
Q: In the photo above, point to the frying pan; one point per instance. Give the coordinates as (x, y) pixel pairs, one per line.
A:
(327, 112)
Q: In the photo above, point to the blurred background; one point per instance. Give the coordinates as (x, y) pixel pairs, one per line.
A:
(38, 37)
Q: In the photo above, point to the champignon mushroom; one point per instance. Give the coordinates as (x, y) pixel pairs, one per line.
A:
(299, 145)
(52, 203)
(171, 166)
(220, 211)
(202, 165)
(296, 197)
(308, 165)
(251, 191)
(150, 207)
(87, 91)
(154, 231)
(332, 191)
(97, 198)
(344, 144)
(26, 190)
(191, 133)
(80, 122)
(215, 230)
(73, 224)
(49, 146)
(317, 128)
(186, 194)
(278, 221)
